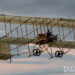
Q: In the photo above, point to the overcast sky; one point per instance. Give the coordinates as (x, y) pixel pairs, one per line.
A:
(45, 8)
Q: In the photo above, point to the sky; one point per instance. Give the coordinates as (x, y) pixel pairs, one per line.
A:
(44, 8)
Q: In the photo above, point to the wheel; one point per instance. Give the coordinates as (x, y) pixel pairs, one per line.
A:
(59, 54)
(36, 52)
(56, 53)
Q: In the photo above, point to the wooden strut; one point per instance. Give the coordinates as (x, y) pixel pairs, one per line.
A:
(59, 31)
(21, 26)
(17, 38)
(41, 26)
(5, 25)
(73, 30)
(1, 50)
(44, 25)
(51, 51)
(46, 49)
(27, 37)
(10, 54)
(50, 27)
(40, 29)
(68, 26)
(34, 30)
(47, 24)
(10, 29)
(9, 45)
(36, 26)
(63, 32)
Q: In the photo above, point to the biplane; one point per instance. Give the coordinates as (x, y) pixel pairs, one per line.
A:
(46, 33)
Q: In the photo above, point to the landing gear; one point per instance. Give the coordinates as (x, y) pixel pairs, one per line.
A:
(36, 52)
(59, 54)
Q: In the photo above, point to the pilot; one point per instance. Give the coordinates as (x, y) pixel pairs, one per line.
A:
(49, 34)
